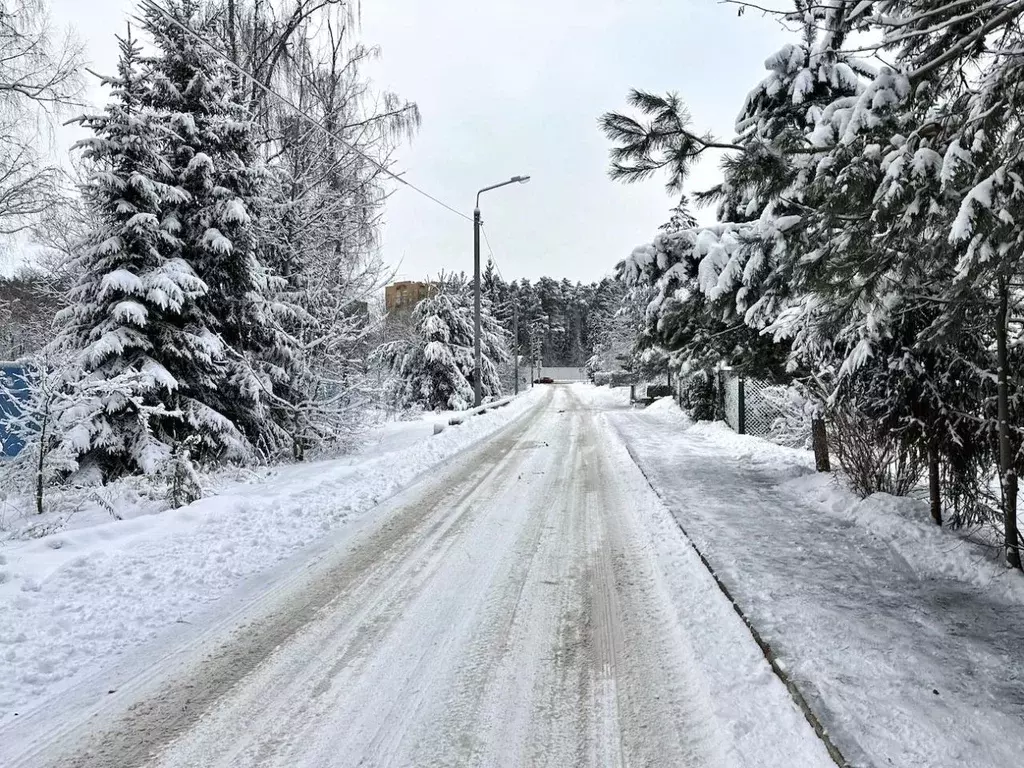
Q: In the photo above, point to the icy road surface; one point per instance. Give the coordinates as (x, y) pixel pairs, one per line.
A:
(530, 604)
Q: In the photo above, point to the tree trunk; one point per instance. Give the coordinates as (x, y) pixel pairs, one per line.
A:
(1007, 472)
(232, 33)
(819, 441)
(42, 461)
(934, 489)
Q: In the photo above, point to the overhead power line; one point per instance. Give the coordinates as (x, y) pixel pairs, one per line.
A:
(490, 252)
(155, 7)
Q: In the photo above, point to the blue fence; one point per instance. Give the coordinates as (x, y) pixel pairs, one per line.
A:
(13, 389)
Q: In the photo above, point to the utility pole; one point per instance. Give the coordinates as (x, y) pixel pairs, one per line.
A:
(478, 368)
(515, 342)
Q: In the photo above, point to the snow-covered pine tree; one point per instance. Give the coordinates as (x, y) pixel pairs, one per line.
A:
(614, 322)
(681, 326)
(434, 367)
(682, 217)
(211, 156)
(915, 204)
(127, 321)
(718, 287)
(493, 287)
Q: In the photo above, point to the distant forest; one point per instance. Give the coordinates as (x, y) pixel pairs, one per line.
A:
(560, 323)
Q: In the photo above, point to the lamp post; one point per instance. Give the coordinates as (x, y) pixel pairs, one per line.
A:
(477, 392)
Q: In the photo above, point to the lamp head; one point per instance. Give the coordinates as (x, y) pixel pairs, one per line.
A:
(521, 179)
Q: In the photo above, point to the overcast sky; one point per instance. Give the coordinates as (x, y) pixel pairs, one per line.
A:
(509, 87)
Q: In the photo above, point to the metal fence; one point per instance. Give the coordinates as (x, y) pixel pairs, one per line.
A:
(746, 404)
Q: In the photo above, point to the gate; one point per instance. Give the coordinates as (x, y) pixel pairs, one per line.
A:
(13, 389)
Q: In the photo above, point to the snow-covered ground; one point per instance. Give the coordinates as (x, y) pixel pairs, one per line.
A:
(907, 639)
(75, 601)
(530, 603)
(525, 599)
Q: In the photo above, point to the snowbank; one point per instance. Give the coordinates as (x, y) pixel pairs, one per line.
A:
(666, 406)
(905, 524)
(79, 598)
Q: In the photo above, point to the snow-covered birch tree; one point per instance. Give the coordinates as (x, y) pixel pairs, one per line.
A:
(40, 81)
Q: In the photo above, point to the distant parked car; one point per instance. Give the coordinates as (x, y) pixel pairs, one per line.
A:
(544, 380)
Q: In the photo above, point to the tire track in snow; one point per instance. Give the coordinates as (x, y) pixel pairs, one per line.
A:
(169, 703)
(377, 689)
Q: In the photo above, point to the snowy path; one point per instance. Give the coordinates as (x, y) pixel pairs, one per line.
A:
(906, 661)
(531, 604)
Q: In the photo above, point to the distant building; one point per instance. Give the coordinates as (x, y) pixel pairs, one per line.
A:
(402, 297)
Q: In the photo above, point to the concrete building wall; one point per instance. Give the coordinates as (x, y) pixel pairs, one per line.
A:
(562, 373)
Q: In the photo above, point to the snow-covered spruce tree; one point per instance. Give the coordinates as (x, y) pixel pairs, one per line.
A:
(127, 324)
(613, 325)
(212, 158)
(434, 367)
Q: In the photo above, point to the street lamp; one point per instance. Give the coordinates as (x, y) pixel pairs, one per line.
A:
(476, 283)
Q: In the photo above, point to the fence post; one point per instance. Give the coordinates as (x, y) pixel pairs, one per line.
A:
(819, 441)
(741, 407)
(719, 396)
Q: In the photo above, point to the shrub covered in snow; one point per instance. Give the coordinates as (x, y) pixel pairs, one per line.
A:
(697, 394)
(795, 410)
(874, 459)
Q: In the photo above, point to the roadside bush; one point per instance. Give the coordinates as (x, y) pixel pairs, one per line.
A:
(794, 411)
(697, 395)
(622, 379)
(875, 459)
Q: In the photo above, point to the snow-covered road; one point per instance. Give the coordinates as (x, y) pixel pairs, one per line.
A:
(529, 604)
